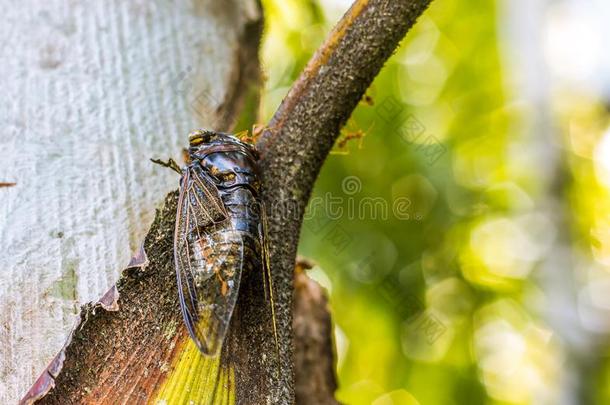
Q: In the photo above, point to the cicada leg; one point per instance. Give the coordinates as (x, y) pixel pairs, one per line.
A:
(171, 163)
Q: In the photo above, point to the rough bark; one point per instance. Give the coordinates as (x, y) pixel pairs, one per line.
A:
(136, 343)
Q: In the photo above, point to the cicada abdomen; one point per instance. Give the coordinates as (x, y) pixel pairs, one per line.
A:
(220, 233)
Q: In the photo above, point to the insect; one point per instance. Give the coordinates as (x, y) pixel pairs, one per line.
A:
(346, 136)
(220, 233)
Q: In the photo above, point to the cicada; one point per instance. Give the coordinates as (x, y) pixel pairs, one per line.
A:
(220, 233)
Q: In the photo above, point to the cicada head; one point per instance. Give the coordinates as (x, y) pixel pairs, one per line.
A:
(229, 161)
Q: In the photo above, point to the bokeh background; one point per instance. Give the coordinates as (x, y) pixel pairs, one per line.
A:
(461, 225)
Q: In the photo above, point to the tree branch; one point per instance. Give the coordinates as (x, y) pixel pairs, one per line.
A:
(141, 352)
(304, 129)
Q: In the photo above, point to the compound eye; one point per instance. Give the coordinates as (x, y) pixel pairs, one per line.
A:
(199, 136)
(196, 140)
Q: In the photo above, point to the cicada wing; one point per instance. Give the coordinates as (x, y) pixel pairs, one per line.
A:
(206, 206)
(208, 291)
(209, 300)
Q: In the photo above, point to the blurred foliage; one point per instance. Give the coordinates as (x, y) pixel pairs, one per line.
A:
(426, 222)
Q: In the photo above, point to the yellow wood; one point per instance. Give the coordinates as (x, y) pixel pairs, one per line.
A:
(196, 379)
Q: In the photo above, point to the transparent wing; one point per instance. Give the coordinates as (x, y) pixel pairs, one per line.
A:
(217, 297)
(209, 268)
(206, 206)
